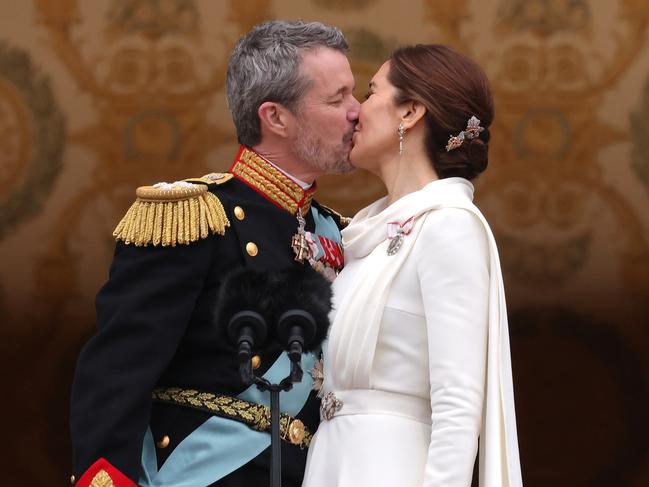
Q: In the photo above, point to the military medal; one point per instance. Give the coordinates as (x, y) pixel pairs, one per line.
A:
(299, 241)
(396, 233)
(395, 244)
(305, 248)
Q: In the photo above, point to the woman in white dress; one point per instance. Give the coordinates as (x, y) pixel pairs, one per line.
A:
(417, 365)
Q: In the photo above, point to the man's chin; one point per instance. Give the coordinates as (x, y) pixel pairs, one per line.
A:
(345, 165)
(348, 169)
(335, 165)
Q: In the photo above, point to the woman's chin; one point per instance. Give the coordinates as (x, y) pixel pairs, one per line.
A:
(356, 157)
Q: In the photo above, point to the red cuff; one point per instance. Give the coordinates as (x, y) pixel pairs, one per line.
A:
(103, 474)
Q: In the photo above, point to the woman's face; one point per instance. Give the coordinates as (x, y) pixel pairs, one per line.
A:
(376, 136)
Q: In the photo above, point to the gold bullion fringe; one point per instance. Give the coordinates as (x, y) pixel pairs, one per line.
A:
(169, 223)
(256, 416)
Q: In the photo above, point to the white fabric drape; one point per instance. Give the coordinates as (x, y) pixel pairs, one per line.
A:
(352, 347)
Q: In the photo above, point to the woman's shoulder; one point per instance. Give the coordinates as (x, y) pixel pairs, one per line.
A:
(452, 218)
(454, 231)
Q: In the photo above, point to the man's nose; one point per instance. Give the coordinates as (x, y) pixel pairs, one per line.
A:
(354, 110)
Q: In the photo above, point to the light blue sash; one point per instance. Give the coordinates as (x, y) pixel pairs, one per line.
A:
(220, 446)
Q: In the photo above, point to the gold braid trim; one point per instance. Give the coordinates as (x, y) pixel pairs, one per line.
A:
(266, 187)
(271, 182)
(175, 214)
(256, 416)
(102, 479)
(283, 182)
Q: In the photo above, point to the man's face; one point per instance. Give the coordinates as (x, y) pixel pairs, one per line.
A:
(327, 113)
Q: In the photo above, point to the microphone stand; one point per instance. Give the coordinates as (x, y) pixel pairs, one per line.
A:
(295, 328)
(263, 385)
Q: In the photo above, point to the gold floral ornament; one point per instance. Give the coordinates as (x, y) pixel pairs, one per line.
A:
(168, 214)
(329, 406)
(472, 131)
(317, 374)
(102, 479)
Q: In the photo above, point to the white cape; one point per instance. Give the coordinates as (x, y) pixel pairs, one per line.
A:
(355, 346)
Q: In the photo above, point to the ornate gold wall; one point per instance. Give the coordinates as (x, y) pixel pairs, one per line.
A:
(100, 96)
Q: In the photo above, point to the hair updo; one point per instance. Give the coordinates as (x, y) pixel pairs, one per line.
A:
(452, 88)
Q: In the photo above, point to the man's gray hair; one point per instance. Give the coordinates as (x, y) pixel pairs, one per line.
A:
(265, 66)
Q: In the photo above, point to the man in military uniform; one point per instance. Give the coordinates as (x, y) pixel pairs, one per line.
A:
(157, 396)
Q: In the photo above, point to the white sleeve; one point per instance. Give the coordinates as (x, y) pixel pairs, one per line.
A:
(453, 269)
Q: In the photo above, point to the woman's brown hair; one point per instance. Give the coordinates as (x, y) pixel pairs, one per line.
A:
(453, 88)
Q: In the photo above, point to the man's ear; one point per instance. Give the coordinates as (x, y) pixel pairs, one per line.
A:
(413, 111)
(275, 118)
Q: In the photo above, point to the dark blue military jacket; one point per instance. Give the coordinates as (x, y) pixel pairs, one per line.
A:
(157, 327)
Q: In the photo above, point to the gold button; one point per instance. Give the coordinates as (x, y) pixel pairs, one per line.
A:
(296, 432)
(256, 362)
(164, 442)
(252, 249)
(239, 213)
(73, 479)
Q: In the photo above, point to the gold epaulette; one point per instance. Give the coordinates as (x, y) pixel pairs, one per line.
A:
(344, 220)
(168, 214)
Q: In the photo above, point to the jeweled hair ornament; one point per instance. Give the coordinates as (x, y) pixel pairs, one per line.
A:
(472, 131)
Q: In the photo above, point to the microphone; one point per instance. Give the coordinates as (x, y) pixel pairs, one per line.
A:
(302, 307)
(244, 304)
(246, 328)
(297, 300)
(295, 329)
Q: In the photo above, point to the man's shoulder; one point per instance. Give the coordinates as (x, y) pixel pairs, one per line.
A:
(212, 180)
(179, 213)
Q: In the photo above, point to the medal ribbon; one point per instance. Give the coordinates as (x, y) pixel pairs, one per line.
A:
(398, 228)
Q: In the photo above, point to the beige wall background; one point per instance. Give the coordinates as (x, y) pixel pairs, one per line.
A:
(100, 96)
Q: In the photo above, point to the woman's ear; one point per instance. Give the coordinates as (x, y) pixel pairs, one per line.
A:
(274, 118)
(413, 111)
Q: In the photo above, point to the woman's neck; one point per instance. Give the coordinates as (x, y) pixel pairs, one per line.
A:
(405, 174)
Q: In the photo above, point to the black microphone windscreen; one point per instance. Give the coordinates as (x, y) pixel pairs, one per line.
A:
(306, 289)
(244, 290)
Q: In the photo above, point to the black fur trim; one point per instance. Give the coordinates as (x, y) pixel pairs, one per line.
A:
(306, 289)
(272, 293)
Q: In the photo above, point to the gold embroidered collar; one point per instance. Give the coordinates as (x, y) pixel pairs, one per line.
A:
(270, 182)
